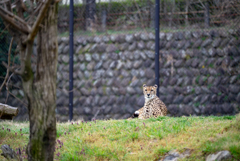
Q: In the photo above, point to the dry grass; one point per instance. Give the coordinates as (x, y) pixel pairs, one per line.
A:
(137, 139)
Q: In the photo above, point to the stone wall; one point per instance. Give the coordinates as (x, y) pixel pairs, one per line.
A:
(199, 74)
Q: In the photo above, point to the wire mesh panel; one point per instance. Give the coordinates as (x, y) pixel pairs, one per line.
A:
(119, 15)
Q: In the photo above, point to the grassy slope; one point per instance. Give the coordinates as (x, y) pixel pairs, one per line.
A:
(136, 139)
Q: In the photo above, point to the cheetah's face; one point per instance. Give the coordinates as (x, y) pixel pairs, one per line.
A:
(149, 91)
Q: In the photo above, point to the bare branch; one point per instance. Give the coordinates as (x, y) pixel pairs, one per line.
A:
(3, 1)
(10, 14)
(12, 22)
(9, 58)
(38, 21)
(34, 12)
(11, 69)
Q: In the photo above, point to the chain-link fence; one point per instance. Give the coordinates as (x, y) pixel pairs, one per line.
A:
(109, 15)
(114, 56)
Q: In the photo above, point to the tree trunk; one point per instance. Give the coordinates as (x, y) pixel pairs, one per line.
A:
(90, 15)
(40, 88)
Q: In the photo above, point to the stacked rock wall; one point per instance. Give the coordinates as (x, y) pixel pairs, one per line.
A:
(199, 74)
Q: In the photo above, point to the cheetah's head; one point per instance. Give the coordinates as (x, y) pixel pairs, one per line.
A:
(149, 91)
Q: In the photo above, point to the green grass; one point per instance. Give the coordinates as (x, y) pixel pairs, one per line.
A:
(136, 139)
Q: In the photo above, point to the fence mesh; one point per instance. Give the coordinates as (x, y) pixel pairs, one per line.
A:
(103, 18)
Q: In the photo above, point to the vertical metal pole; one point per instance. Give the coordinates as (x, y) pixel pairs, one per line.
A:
(71, 61)
(157, 6)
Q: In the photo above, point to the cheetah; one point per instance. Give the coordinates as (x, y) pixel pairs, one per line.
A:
(153, 106)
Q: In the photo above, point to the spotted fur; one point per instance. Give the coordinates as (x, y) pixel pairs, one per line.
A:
(153, 106)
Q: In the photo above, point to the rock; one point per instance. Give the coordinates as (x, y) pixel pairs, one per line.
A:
(105, 39)
(101, 48)
(81, 57)
(88, 57)
(132, 47)
(136, 55)
(129, 55)
(141, 45)
(197, 34)
(149, 73)
(173, 110)
(137, 64)
(65, 58)
(212, 52)
(188, 34)
(216, 42)
(143, 56)
(84, 91)
(181, 44)
(114, 56)
(130, 90)
(219, 156)
(178, 63)
(234, 89)
(204, 99)
(144, 36)
(150, 54)
(87, 110)
(197, 43)
(150, 45)
(96, 57)
(111, 48)
(174, 155)
(129, 38)
(162, 35)
(227, 108)
(233, 79)
(123, 46)
(134, 72)
(178, 99)
(91, 65)
(169, 36)
(151, 36)
(98, 65)
(206, 42)
(140, 101)
(113, 38)
(179, 36)
(65, 49)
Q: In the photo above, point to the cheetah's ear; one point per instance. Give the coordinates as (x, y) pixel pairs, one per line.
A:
(155, 86)
(144, 85)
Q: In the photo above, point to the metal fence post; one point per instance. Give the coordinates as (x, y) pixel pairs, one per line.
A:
(71, 61)
(157, 45)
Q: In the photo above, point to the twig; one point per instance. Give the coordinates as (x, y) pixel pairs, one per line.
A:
(12, 69)
(7, 87)
(35, 11)
(139, 13)
(40, 17)
(94, 117)
(18, 99)
(4, 29)
(9, 59)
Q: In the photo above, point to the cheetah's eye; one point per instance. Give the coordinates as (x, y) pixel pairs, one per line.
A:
(151, 90)
(145, 90)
